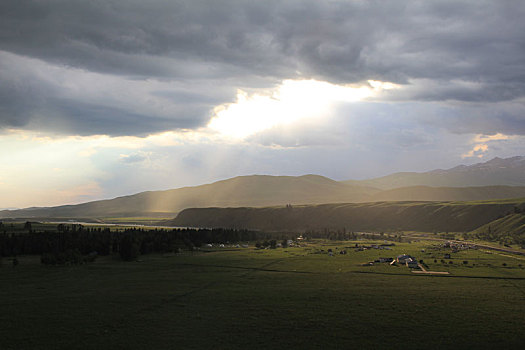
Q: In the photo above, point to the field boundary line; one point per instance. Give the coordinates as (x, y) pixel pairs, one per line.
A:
(247, 268)
(442, 276)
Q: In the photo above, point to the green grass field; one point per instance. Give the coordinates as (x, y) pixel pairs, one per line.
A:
(296, 297)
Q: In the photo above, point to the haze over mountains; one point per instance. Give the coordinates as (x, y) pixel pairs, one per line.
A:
(497, 171)
(495, 179)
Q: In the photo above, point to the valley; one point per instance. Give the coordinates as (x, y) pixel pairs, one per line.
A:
(294, 297)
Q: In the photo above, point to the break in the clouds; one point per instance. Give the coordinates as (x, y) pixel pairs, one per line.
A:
(136, 68)
(103, 98)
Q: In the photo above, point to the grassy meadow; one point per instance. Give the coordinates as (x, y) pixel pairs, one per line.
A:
(289, 298)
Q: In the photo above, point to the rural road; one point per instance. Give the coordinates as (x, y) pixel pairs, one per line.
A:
(423, 270)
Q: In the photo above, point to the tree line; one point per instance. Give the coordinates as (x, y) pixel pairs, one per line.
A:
(78, 244)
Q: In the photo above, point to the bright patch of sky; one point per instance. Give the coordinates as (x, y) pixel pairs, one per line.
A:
(290, 102)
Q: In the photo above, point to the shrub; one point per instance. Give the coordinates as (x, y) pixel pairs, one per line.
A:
(70, 256)
(73, 257)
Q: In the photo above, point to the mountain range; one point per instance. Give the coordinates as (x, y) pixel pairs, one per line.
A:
(497, 171)
(496, 179)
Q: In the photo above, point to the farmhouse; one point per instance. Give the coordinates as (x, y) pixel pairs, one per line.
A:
(402, 259)
(412, 263)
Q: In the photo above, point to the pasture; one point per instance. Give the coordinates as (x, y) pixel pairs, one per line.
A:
(296, 297)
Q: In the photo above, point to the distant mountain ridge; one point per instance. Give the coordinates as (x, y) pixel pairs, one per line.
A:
(428, 193)
(495, 179)
(497, 171)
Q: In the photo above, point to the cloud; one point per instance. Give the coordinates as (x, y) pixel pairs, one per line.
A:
(136, 68)
(482, 143)
(344, 41)
(477, 151)
(495, 137)
(290, 102)
(40, 96)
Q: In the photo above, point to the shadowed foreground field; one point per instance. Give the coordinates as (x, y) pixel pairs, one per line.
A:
(283, 298)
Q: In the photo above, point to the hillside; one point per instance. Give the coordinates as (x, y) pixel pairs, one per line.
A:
(427, 193)
(510, 228)
(381, 216)
(254, 191)
(497, 171)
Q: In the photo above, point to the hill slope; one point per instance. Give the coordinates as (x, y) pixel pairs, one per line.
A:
(427, 193)
(510, 228)
(417, 216)
(256, 190)
(497, 171)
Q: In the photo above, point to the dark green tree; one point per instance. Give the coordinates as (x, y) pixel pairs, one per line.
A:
(129, 248)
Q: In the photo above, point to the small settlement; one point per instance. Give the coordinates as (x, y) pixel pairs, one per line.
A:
(403, 259)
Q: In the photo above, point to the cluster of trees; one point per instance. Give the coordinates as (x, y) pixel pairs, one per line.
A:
(75, 244)
(36, 242)
(344, 235)
(271, 244)
(335, 235)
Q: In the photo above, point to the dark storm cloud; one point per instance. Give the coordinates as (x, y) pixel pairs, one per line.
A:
(39, 96)
(464, 51)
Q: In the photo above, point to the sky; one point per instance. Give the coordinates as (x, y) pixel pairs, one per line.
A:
(100, 99)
